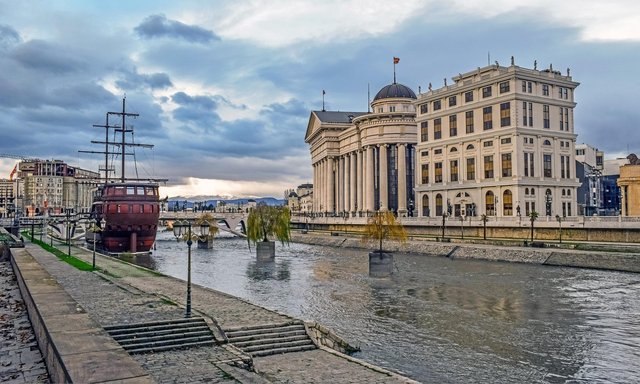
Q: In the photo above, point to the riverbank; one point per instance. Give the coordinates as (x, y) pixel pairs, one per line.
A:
(625, 259)
(122, 294)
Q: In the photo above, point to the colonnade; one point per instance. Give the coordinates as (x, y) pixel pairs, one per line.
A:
(358, 181)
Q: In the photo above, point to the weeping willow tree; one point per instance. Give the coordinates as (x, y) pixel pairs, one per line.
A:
(265, 221)
(213, 228)
(383, 226)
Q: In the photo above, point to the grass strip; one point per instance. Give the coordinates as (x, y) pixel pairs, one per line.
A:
(73, 261)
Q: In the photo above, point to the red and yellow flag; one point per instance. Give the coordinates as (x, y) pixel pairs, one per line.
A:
(396, 60)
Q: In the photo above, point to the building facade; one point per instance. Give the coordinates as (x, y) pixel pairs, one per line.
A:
(499, 141)
(53, 186)
(7, 198)
(364, 161)
(300, 199)
(629, 183)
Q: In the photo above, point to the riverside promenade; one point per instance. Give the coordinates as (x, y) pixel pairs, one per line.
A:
(122, 293)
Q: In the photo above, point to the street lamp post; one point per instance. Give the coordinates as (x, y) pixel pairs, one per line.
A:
(560, 227)
(95, 229)
(181, 230)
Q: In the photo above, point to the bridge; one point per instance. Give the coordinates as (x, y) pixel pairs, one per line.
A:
(231, 220)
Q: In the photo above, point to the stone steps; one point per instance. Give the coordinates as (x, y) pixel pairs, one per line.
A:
(162, 335)
(270, 339)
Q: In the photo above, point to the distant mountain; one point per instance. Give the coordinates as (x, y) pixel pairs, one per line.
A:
(189, 202)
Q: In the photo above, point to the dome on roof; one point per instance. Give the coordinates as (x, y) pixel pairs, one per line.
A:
(395, 90)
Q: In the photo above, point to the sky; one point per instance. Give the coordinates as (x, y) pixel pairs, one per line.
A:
(224, 89)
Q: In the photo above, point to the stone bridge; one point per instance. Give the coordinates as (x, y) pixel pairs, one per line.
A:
(230, 219)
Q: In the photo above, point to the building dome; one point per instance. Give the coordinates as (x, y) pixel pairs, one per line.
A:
(395, 90)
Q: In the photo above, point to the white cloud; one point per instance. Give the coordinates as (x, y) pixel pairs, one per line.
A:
(216, 187)
(283, 22)
(613, 20)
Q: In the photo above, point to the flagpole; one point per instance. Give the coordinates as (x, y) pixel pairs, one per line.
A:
(394, 70)
(323, 92)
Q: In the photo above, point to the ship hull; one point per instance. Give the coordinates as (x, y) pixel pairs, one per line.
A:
(127, 214)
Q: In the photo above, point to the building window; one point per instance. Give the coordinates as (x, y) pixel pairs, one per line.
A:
(453, 101)
(469, 121)
(545, 89)
(425, 173)
(490, 204)
(438, 205)
(506, 165)
(563, 93)
(380, 110)
(424, 131)
(545, 116)
(470, 147)
(437, 151)
(437, 129)
(468, 96)
(488, 167)
(527, 114)
(424, 153)
(504, 87)
(438, 172)
(454, 170)
(392, 109)
(564, 119)
(453, 125)
(488, 143)
(528, 164)
(487, 118)
(567, 161)
(436, 105)
(527, 86)
(546, 143)
(471, 168)
(486, 92)
(506, 140)
(546, 161)
(507, 203)
(424, 108)
(505, 114)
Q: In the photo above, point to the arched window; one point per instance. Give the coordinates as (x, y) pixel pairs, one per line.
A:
(425, 205)
(564, 193)
(453, 149)
(548, 200)
(470, 146)
(526, 191)
(507, 203)
(438, 205)
(568, 192)
(546, 142)
(490, 204)
(533, 191)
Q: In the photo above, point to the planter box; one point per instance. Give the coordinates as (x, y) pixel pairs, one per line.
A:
(380, 264)
(266, 250)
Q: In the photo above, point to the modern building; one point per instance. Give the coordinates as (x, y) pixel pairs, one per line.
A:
(7, 198)
(589, 167)
(498, 141)
(53, 186)
(364, 161)
(590, 155)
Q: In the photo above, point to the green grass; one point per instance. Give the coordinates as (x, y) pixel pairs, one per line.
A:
(74, 261)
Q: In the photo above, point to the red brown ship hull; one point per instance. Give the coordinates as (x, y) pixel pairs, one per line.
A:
(128, 213)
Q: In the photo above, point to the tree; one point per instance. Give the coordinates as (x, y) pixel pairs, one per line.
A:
(265, 221)
(484, 219)
(533, 216)
(383, 226)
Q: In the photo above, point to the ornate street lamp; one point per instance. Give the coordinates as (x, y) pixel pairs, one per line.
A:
(182, 229)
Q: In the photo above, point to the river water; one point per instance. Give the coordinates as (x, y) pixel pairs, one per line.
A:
(437, 319)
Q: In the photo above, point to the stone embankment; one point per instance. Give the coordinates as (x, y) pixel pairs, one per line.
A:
(622, 259)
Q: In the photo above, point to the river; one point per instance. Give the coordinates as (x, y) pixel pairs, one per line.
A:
(437, 319)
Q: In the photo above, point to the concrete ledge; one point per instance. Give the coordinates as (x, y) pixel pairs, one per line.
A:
(75, 348)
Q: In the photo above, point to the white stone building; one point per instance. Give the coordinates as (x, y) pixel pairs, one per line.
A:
(498, 141)
(364, 161)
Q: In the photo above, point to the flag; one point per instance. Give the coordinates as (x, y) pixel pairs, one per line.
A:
(323, 92)
(396, 60)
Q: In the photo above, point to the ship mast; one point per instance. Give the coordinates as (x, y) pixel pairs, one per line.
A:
(123, 143)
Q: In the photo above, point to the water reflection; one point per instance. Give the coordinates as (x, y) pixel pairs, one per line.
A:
(442, 320)
(268, 270)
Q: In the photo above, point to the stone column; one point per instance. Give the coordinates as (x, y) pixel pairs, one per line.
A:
(384, 176)
(331, 186)
(402, 180)
(352, 179)
(359, 181)
(338, 181)
(346, 182)
(315, 187)
(368, 187)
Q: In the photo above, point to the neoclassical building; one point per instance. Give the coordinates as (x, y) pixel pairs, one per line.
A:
(498, 141)
(364, 161)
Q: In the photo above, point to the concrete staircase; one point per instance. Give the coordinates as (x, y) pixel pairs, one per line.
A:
(162, 335)
(270, 339)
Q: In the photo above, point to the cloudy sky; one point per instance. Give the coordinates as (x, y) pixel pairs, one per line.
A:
(224, 88)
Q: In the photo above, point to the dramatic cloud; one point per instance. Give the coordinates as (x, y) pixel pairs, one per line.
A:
(8, 36)
(134, 80)
(159, 26)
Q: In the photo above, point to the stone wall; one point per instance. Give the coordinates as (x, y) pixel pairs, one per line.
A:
(548, 254)
(323, 336)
